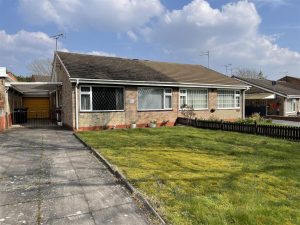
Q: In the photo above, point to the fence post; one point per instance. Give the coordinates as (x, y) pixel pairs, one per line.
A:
(255, 126)
(222, 125)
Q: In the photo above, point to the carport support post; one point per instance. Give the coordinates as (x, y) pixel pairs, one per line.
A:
(56, 102)
(244, 104)
(285, 103)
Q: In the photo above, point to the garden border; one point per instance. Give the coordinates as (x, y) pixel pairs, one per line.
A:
(123, 180)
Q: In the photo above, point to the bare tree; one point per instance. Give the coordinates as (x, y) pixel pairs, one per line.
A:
(188, 112)
(249, 73)
(41, 67)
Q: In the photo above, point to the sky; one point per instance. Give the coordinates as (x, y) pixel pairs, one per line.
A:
(256, 34)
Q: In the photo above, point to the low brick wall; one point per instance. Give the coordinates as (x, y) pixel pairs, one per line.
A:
(288, 118)
(2, 123)
(95, 128)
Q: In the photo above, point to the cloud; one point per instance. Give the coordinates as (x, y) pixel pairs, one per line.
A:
(19, 49)
(132, 35)
(114, 15)
(273, 3)
(230, 33)
(101, 53)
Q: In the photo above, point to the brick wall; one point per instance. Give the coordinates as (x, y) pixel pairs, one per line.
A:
(98, 120)
(2, 104)
(66, 98)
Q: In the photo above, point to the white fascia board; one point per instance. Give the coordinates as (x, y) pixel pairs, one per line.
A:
(293, 96)
(32, 83)
(154, 83)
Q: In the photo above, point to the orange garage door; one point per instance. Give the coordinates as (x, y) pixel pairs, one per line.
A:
(37, 107)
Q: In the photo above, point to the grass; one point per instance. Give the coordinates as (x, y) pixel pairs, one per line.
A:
(195, 176)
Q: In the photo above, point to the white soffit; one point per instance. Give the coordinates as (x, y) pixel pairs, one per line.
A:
(260, 96)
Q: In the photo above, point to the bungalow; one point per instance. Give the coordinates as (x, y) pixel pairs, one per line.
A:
(269, 98)
(98, 91)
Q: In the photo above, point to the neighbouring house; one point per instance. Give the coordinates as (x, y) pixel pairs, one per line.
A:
(8, 98)
(40, 78)
(269, 98)
(99, 92)
(291, 80)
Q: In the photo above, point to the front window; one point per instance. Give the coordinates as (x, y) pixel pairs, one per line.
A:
(228, 99)
(195, 98)
(96, 98)
(291, 105)
(154, 98)
(85, 99)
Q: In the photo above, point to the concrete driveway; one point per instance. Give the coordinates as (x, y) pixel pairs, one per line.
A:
(49, 177)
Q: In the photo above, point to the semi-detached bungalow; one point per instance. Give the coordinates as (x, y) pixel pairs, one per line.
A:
(270, 98)
(98, 92)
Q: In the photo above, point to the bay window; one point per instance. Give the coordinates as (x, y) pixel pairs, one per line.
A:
(195, 98)
(154, 98)
(228, 99)
(97, 98)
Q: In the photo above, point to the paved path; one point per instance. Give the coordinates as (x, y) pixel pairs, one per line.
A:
(285, 122)
(48, 177)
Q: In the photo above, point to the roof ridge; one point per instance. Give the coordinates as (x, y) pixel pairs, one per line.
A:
(145, 60)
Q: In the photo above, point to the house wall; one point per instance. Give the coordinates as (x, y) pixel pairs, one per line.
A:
(98, 120)
(2, 104)
(66, 98)
(8, 102)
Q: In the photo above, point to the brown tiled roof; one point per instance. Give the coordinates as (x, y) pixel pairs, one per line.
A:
(112, 68)
(281, 87)
(290, 79)
(41, 78)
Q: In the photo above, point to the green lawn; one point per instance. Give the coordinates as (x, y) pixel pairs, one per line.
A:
(195, 176)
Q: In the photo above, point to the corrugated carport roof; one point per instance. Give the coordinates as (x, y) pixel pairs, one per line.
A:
(34, 87)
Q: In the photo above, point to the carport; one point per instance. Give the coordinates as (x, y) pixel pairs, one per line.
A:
(34, 104)
(262, 103)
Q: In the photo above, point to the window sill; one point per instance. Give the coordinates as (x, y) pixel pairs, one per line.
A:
(100, 111)
(153, 110)
(197, 109)
(228, 108)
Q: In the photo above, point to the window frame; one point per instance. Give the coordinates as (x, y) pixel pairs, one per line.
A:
(186, 96)
(164, 99)
(91, 98)
(236, 94)
(293, 102)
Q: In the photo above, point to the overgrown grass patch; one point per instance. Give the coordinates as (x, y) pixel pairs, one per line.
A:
(195, 176)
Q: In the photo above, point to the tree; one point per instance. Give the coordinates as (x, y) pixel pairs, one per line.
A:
(188, 112)
(249, 73)
(23, 78)
(41, 67)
